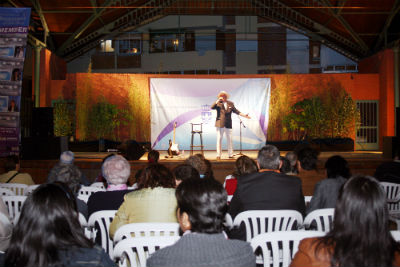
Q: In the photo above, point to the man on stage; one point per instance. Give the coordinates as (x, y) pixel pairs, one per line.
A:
(223, 122)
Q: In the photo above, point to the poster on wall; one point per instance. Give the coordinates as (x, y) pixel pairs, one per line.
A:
(183, 102)
(14, 23)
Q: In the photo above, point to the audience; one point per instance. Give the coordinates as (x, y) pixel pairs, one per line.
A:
(152, 157)
(48, 233)
(389, 171)
(100, 178)
(326, 191)
(360, 234)
(307, 159)
(184, 172)
(292, 157)
(153, 201)
(6, 226)
(67, 159)
(12, 174)
(267, 189)
(201, 211)
(201, 164)
(116, 170)
(244, 165)
(285, 166)
(70, 175)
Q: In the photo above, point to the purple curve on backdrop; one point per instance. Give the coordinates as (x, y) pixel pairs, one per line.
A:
(180, 120)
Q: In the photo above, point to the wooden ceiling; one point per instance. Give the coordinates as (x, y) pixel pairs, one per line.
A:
(355, 28)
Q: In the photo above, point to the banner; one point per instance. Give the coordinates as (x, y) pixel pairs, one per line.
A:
(14, 23)
(186, 101)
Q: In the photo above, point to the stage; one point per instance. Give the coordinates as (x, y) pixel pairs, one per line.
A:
(360, 162)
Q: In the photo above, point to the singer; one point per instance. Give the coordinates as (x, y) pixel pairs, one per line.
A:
(223, 121)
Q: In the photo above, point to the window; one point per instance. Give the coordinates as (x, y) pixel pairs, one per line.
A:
(166, 42)
(129, 46)
(107, 46)
(246, 45)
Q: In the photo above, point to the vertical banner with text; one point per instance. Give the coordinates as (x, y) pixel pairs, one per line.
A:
(14, 23)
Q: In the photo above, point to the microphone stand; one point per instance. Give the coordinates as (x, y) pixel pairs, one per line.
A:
(240, 131)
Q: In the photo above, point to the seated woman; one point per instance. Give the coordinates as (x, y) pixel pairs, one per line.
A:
(116, 170)
(201, 211)
(244, 165)
(183, 172)
(360, 234)
(153, 201)
(48, 233)
(70, 175)
(326, 191)
(202, 165)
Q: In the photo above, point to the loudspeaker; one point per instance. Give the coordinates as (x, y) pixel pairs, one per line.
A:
(39, 147)
(391, 146)
(42, 122)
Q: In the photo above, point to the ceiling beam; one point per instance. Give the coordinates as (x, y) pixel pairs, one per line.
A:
(96, 14)
(395, 10)
(345, 24)
(46, 36)
(142, 15)
(288, 17)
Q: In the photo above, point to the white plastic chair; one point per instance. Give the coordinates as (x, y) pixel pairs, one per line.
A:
(392, 196)
(277, 249)
(14, 205)
(323, 219)
(228, 223)
(84, 198)
(6, 192)
(307, 200)
(30, 189)
(262, 221)
(88, 190)
(396, 235)
(98, 184)
(146, 229)
(137, 250)
(85, 226)
(103, 218)
(18, 189)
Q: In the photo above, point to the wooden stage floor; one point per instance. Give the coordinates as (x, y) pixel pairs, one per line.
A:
(360, 162)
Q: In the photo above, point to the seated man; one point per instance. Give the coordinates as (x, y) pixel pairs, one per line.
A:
(267, 189)
(202, 206)
(389, 171)
(12, 174)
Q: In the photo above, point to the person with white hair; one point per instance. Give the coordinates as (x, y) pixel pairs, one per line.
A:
(116, 170)
(223, 122)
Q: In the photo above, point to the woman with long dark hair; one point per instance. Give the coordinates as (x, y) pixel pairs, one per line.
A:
(48, 232)
(360, 234)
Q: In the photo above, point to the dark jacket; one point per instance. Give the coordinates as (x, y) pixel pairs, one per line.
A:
(224, 116)
(267, 190)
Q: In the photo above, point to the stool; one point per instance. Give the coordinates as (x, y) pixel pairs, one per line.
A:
(197, 128)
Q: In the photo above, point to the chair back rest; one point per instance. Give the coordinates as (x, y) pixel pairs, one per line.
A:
(320, 220)
(277, 249)
(85, 226)
(98, 184)
(263, 221)
(6, 192)
(146, 229)
(396, 235)
(18, 189)
(392, 195)
(228, 222)
(84, 198)
(137, 250)
(88, 190)
(103, 218)
(30, 189)
(307, 200)
(14, 205)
